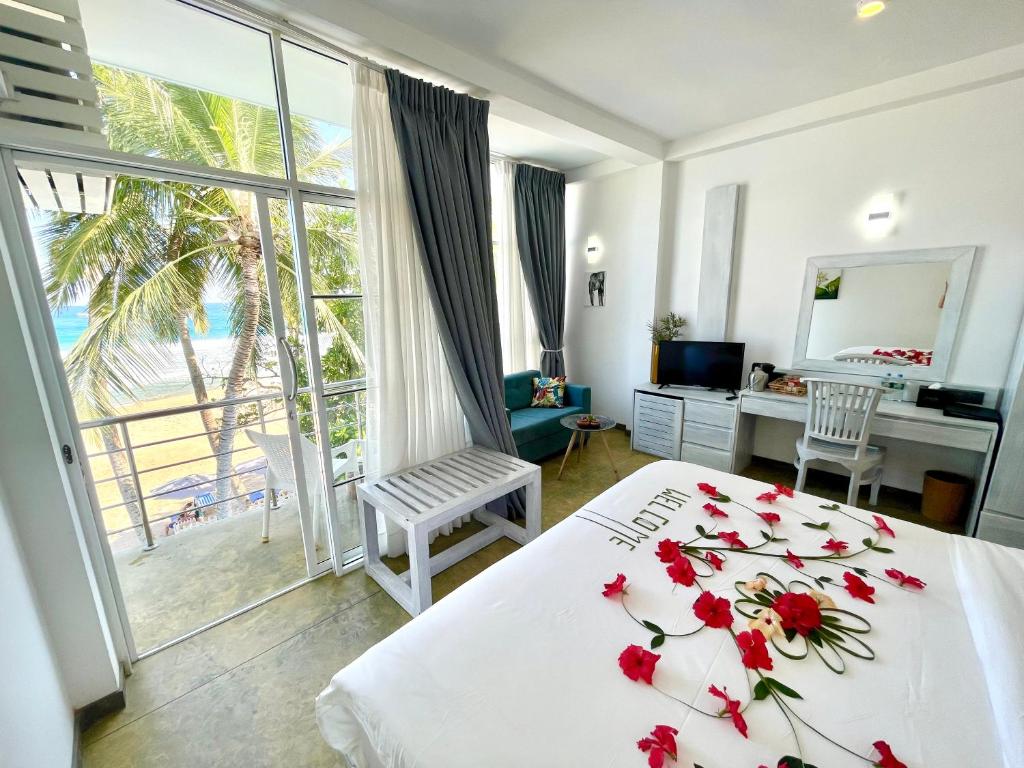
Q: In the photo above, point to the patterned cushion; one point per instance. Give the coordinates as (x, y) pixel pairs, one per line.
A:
(548, 392)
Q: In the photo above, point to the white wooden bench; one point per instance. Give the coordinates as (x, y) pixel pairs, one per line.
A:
(425, 497)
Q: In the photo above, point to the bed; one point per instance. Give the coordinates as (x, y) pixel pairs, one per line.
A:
(532, 664)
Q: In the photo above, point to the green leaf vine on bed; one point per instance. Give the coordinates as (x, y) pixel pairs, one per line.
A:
(796, 619)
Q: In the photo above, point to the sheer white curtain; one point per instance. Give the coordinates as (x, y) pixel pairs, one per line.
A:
(413, 413)
(520, 341)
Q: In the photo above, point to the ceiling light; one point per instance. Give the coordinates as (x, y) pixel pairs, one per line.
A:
(868, 8)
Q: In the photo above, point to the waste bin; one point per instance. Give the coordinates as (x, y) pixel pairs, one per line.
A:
(945, 496)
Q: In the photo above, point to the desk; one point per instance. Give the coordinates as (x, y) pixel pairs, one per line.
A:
(902, 421)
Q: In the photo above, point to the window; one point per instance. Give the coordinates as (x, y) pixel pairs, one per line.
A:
(184, 84)
(320, 102)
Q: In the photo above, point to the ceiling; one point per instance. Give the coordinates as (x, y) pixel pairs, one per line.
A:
(529, 144)
(681, 67)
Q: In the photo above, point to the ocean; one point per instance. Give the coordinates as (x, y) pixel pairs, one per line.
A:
(70, 323)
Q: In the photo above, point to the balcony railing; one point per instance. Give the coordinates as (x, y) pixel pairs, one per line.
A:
(147, 473)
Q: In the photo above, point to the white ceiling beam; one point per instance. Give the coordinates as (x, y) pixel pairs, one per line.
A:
(514, 94)
(976, 72)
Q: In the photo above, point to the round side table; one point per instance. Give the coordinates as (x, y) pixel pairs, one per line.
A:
(604, 424)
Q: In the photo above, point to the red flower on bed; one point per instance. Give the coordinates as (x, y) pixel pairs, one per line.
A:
(753, 650)
(904, 579)
(784, 490)
(660, 743)
(769, 517)
(732, 707)
(732, 538)
(859, 588)
(638, 663)
(713, 611)
(798, 611)
(615, 587)
(835, 546)
(795, 561)
(681, 572)
(883, 526)
(768, 496)
(715, 559)
(707, 488)
(668, 551)
(888, 759)
(714, 510)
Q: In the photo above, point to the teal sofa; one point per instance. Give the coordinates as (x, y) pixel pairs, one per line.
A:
(536, 430)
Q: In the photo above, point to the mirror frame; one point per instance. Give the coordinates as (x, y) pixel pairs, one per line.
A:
(961, 260)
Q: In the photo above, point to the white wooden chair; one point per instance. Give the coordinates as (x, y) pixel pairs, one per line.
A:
(838, 426)
(281, 472)
(860, 357)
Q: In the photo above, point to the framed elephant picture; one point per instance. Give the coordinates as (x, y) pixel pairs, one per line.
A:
(595, 285)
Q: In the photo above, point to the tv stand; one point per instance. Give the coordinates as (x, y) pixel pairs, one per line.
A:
(692, 424)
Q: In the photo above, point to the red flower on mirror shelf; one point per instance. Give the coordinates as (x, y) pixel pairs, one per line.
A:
(732, 538)
(732, 708)
(714, 510)
(615, 587)
(659, 745)
(904, 579)
(858, 588)
(638, 663)
(713, 611)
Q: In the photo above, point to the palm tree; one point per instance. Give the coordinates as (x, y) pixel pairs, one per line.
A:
(145, 265)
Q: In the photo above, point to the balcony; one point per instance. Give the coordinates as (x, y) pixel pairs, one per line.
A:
(187, 552)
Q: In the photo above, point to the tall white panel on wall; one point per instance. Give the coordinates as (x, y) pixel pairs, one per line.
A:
(721, 205)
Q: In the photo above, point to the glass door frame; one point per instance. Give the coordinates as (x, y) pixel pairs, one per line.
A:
(41, 339)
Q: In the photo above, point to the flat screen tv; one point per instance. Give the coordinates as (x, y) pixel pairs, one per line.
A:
(711, 364)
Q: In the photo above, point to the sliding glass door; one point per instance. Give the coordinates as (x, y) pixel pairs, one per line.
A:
(181, 316)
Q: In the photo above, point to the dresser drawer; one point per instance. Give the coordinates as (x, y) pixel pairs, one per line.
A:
(711, 437)
(707, 457)
(710, 413)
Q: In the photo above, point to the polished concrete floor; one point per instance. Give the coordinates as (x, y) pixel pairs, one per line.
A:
(241, 694)
(211, 570)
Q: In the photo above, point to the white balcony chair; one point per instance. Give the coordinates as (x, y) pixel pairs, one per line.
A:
(281, 473)
(839, 416)
(860, 357)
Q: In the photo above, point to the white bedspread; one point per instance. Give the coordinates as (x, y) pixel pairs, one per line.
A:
(518, 667)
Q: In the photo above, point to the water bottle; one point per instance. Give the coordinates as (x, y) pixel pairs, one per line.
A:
(899, 387)
(886, 384)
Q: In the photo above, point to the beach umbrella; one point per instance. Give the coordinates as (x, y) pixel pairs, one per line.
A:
(185, 487)
(252, 467)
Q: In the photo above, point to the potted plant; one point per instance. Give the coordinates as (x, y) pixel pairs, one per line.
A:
(668, 328)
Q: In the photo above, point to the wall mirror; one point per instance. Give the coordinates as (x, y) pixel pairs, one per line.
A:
(878, 313)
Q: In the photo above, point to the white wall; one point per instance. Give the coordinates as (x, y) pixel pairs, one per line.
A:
(608, 348)
(956, 165)
(890, 305)
(36, 720)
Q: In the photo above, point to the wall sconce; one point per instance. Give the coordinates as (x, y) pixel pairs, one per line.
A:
(593, 249)
(881, 215)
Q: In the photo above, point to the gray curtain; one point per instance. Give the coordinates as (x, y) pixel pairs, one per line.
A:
(540, 230)
(442, 137)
